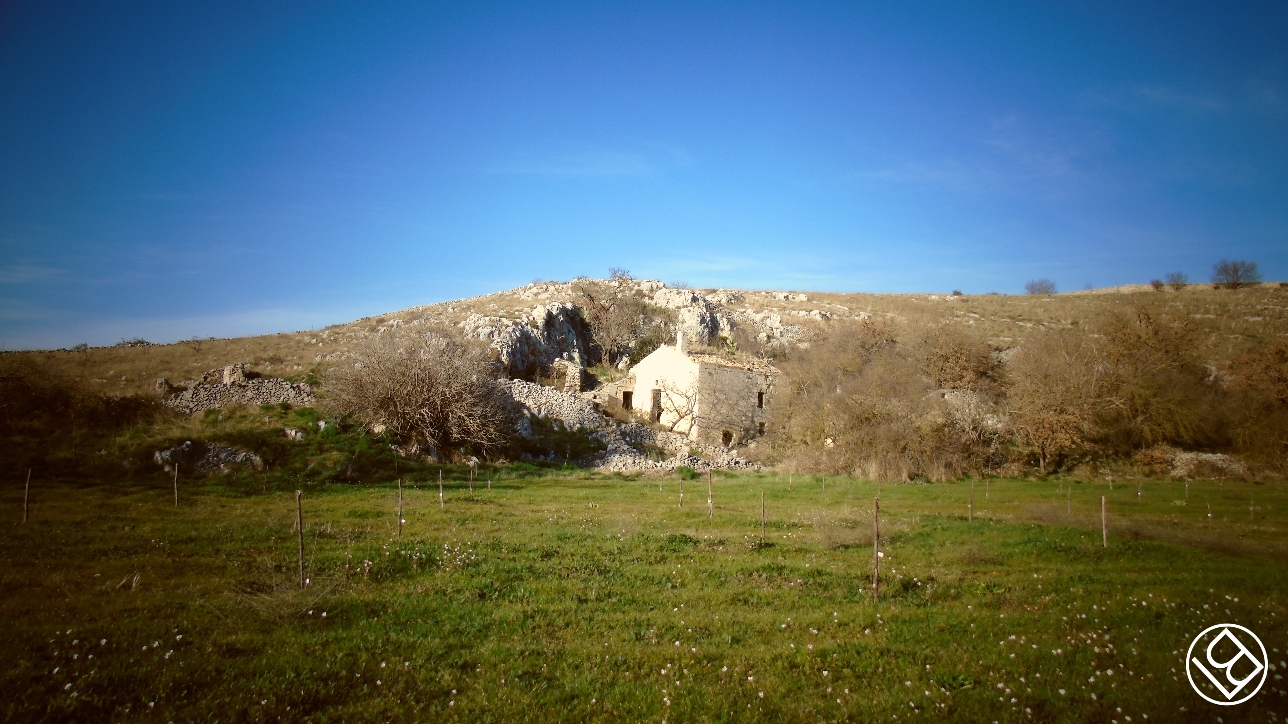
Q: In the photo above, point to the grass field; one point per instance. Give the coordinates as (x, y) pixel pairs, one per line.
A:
(575, 596)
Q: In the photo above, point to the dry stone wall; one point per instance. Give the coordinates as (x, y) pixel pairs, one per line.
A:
(234, 388)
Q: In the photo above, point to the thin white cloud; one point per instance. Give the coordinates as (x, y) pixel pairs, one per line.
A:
(1150, 97)
(29, 273)
(1167, 96)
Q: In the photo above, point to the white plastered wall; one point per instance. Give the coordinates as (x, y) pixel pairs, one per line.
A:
(676, 376)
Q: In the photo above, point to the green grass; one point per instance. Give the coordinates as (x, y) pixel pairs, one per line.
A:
(576, 596)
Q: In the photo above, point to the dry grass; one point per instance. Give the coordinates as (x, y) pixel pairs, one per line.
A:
(1229, 322)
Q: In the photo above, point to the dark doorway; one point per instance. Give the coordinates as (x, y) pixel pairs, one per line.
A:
(760, 399)
(761, 428)
(655, 413)
(726, 437)
(627, 399)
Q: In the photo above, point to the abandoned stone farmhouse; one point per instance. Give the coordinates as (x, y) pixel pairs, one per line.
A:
(710, 399)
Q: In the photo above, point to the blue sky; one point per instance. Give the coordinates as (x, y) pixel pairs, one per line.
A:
(179, 169)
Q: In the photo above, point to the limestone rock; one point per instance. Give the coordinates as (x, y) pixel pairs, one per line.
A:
(550, 332)
(703, 325)
(206, 457)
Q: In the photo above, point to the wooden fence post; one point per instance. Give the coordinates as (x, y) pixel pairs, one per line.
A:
(176, 484)
(970, 507)
(400, 501)
(711, 510)
(681, 492)
(26, 493)
(762, 518)
(1104, 523)
(471, 480)
(441, 504)
(299, 522)
(876, 546)
(489, 482)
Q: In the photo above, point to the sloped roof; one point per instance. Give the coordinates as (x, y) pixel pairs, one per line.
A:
(751, 365)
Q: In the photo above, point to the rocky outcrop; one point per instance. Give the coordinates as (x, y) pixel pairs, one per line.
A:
(231, 386)
(206, 457)
(701, 318)
(769, 326)
(550, 332)
(703, 325)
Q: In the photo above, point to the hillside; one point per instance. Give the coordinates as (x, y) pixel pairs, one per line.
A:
(895, 387)
(1228, 323)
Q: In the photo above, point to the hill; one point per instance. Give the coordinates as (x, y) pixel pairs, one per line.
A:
(881, 385)
(1229, 322)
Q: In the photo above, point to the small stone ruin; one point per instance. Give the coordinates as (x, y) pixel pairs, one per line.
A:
(232, 385)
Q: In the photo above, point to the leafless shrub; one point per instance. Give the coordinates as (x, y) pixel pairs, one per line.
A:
(852, 404)
(954, 359)
(1264, 371)
(1157, 285)
(1157, 390)
(1156, 460)
(1055, 395)
(1177, 281)
(1040, 286)
(1233, 274)
(427, 389)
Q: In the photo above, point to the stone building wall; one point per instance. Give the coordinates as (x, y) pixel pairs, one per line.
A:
(730, 403)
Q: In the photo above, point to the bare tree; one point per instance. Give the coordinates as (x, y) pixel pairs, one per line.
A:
(617, 316)
(682, 402)
(1177, 281)
(425, 389)
(1040, 286)
(1234, 274)
(1157, 285)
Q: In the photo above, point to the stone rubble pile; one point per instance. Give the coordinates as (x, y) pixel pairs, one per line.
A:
(1197, 464)
(575, 411)
(230, 386)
